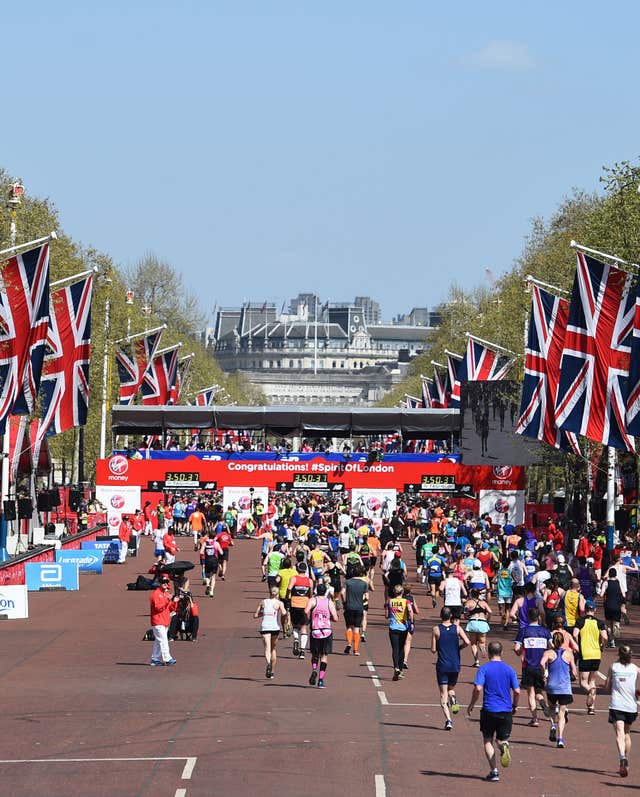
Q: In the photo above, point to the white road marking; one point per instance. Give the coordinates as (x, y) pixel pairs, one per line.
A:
(381, 789)
(88, 760)
(383, 698)
(188, 768)
(376, 682)
(370, 666)
(181, 793)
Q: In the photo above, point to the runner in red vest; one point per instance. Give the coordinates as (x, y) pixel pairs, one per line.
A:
(225, 541)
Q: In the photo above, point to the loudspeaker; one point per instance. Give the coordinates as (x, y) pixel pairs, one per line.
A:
(44, 501)
(9, 510)
(55, 498)
(25, 508)
(75, 496)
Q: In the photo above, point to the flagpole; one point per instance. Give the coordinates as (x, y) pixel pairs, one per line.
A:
(14, 247)
(315, 339)
(575, 245)
(105, 368)
(533, 281)
(129, 338)
(611, 497)
(74, 277)
(488, 343)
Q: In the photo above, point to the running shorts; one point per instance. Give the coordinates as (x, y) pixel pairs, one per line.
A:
(588, 665)
(353, 618)
(612, 615)
(498, 723)
(559, 700)
(622, 716)
(532, 676)
(321, 646)
(447, 678)
(298, 617)
(477, 627)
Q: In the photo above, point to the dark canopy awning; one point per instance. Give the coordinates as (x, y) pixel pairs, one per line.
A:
(289, 420)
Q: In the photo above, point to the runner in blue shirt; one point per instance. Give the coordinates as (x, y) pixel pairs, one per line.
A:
(497, 682)
(532, 642)
(447, 640)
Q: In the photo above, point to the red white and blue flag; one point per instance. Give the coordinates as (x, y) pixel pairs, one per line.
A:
(454, 362)
(412, 402)
(182, 379)
(427, 395)
(204, 398)
(442, 388)
(594, 367)
(64, 389)
(24, 321)
(160, 378)
(132, 367)
(481, 363)
(633, 383)
(547, 327)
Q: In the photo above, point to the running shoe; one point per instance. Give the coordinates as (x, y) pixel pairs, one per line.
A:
(347, 649)
(533, 723)
(611, 644)
(301, 655)
(356, 652)
(625, 620)
(396, 675)
(560, 743)
(455, 706)
(264, 578)
(493, 776)
(591, 711)
(269, 671)
(624, 768)
(321, 684)
(363, 637)
(313, 678)
(434, 603)
(553, 733)
(616, 630)
(405, 666)
(448, 726)
(156, 663)
(400, 674)
(170, 663)
(476, 663)
(545, 707)
(222, 577)
(296, 647)
(505, 754)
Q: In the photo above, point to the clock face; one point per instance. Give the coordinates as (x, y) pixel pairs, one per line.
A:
(182, 479)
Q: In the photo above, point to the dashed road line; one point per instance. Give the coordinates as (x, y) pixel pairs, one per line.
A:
(383, 698)
(370, 666)
(381, 788)
(188, 768)
(181, 793)
(376, 682)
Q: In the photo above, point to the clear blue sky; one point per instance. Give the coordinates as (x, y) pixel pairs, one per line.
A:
(265, 148)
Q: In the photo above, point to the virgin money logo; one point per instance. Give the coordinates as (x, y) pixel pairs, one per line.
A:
(373, 504)
(118, 465)
(117, 501)
(502, 471)
(114, 520)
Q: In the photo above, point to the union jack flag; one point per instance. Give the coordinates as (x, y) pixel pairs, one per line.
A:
(633, 383)
(24, 321)
(427, 394)
(480, 364)
(442, 387)
(64, 389)
(454, 363)
(131, 368)
(160, 378)
(183, 379)
(412, 402)
(595, 358)
(204, 398)
(547, 327)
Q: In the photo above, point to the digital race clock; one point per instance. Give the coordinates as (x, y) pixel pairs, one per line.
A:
(182, 479)
(438, 481)
(317, 480)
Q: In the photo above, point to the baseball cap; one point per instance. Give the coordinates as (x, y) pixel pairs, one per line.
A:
(590, 605)
(398, 554)
(476, 565)
(590, 560)
(485, 545)
(560, 559)
(528, 554)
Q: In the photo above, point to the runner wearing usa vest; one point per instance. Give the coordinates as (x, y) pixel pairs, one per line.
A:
(299, 593)
(321, 611)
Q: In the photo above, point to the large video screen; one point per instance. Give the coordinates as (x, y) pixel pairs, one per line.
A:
(489, 413)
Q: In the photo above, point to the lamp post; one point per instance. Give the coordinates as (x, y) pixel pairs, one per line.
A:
(105, 366)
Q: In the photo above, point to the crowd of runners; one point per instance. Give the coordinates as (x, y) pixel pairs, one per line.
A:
(564, 600)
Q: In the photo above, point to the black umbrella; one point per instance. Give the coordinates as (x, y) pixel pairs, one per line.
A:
(177, 568)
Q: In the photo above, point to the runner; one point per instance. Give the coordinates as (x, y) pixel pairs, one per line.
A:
(531, 642)
(497, 682)
(591, 636)
(212, 552)
(399, 612)
(478, 613)
(574, 605)
(521, 606)
(453, 591)
(225, 541)
(272, 611)
(318, 561)
(196, 521)
(561, 669)
(354, 594)
(447, 640)
(406, 589)
(320, 611)
(504, 584)
(299, 592)
(434, 566)
(622, 682)
(614, 600)
(272, 563)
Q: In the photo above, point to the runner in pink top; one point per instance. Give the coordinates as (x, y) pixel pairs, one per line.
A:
(321, 610)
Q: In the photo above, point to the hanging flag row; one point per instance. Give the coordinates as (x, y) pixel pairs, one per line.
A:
(582, 364)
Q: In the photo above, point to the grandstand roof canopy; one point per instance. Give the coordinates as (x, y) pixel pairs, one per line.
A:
(307, 421)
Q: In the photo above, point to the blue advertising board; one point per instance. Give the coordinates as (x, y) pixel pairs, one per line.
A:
(109, 548)
(51, 575)
(87, 561)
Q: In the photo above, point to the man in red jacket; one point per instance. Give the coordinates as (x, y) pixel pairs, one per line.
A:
(124, 534)
(170, 547)
(161, 607)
